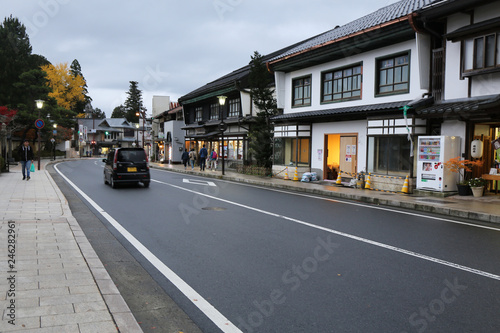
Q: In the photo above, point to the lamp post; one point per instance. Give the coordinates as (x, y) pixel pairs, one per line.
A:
(39, 106)
(143, 115)
(222, 126)
(53, 140)
(137, 134)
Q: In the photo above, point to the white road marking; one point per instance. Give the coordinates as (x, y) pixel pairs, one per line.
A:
(212, 313)
(343, 234)
(198, 182)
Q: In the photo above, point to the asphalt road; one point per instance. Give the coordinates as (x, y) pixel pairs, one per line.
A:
(237, 258)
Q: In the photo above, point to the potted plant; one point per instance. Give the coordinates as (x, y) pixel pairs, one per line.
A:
(461, 167)
(477, 186)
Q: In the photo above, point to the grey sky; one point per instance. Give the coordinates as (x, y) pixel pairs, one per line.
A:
(170, 47)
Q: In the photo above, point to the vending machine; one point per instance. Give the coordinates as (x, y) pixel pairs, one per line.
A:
(433, 152)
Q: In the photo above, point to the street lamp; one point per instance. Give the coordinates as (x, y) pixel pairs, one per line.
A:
(39, 106)
(222, 126)
(137, 134)
(143, 114)
(53, 140)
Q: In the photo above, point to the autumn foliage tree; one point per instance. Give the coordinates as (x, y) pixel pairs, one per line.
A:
(67, 89)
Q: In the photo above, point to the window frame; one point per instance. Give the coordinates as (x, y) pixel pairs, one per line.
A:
(294, 99)
(388, 158)
(378, 71)
(472, 43)
(217, 108)
(198, 113)
(234, 108)
(342, 92)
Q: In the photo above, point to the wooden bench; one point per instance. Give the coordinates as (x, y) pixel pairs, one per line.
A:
(491, 178)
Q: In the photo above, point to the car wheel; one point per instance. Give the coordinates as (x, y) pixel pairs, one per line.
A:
(146, 184)
(113, 184)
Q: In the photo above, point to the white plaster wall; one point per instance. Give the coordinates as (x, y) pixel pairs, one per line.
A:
(454, 128)
(368, 87)
(487, 12)
(454, 87)
(484, 85)
(160, 104)
(318, 140)
(246, 104)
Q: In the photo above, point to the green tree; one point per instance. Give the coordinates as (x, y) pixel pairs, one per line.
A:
(15, 52)
(79, 105)
(99, 114)
(119, 112)
(134, 104)
(260, 133)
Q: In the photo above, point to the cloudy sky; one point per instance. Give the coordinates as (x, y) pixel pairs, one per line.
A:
(170, 47)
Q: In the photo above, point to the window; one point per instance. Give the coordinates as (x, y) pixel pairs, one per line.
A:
(389, 155)
(302, 91)
(214, 111)
(482, 52)
(234, 107)
(393, 74)
(285, 151)
(342, 84)
(198, 114)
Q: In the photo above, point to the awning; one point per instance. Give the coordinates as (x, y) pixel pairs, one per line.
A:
(361, 111)
(474, 108)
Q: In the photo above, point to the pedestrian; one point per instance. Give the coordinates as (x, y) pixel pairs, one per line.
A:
(185, 158)
(213, 160)
(203, 156)
(26, 157)
(192, 158)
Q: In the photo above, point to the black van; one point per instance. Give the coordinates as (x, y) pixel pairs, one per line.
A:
(126, 165)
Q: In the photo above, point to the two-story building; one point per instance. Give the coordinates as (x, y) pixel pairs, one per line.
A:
(466, 68)
(203, 114)
(343, 95)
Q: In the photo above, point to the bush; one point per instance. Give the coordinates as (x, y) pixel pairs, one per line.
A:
(253, 170)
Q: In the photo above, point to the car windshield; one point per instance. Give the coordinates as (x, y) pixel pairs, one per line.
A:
(131, 156)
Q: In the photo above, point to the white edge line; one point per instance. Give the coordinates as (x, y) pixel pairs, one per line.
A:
(208, 309)
(343, 234)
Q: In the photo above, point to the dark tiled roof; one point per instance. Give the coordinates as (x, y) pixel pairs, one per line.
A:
(386, 14)
(461, 105)
(229, 80)
(360, 109)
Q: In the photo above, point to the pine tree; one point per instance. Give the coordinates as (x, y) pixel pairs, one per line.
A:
(260, 133)
(133, 104)
(76, 70)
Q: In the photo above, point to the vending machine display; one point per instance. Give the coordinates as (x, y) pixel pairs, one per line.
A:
(433, 152)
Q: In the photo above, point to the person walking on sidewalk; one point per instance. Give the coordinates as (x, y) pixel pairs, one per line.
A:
(26, 155)
(213, 160)
(203, 157)
(185, 158)
(192, 158)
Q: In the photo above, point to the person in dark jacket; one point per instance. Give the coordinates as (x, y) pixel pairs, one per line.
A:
(185, 158)
(203, 156)
(26, 156)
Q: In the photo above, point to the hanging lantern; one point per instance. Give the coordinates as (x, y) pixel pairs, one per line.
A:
(476, 148)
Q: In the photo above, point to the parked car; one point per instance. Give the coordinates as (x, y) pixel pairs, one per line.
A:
(126, 165)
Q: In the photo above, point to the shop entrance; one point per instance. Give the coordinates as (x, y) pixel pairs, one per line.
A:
(490, 138)
(341, 154)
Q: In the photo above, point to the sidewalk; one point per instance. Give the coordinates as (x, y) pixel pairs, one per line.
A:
(51, 278)
(482, 209)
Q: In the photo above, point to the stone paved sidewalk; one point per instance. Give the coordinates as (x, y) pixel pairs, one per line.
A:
(51, 280)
